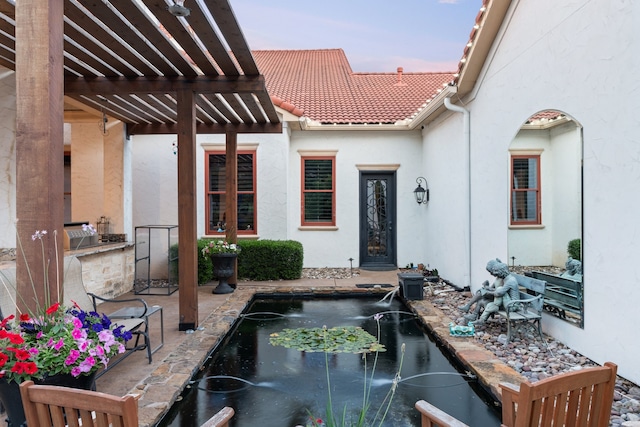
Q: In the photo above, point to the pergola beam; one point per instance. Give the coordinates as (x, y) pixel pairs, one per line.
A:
(162, 85)
(204, 128)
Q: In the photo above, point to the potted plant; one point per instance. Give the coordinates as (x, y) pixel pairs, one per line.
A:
(56, 345)
(60, 346)
(223, 255)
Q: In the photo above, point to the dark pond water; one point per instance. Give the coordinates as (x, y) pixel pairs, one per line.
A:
(277, 387)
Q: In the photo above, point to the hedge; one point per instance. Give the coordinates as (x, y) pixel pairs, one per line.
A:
(257, 260)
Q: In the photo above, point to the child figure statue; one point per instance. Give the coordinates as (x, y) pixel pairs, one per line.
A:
(490, 297)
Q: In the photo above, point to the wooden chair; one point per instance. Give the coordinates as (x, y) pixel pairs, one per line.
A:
(55, 406)
(221, 419)
(580, 398)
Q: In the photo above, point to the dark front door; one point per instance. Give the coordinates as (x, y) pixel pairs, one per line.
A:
(378, 220)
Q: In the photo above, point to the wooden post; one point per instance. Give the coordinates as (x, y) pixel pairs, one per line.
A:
(39, 151)
(231, 197)
(187, 212)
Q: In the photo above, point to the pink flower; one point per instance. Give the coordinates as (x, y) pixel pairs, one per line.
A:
(106, 336)
(59, 344)
(83, 345)
(78, 334)
(87, 364)
(99, 351)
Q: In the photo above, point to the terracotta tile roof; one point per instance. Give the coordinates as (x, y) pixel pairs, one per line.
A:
(320, 85)
(547, 115)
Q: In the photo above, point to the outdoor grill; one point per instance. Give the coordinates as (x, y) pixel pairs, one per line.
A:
(77, 238)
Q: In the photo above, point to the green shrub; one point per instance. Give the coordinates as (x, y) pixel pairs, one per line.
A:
(270, 260)
(173, 264)
(205, 269)
(574, 249)
(257, 260)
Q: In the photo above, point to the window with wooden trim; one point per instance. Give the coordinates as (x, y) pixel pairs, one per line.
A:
(318, 191)
(215, 177)
(525, 190)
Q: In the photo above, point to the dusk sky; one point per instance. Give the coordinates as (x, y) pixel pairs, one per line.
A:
(376, 35)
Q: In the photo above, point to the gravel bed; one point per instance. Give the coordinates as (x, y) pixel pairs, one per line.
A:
(535, 359)
(329, 273)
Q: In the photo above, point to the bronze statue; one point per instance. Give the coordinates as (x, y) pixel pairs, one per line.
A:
(490, 298)
(574, 269)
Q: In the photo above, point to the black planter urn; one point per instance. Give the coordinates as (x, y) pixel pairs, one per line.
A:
(223, 269)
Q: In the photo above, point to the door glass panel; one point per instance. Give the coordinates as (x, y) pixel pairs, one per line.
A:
(377, 221)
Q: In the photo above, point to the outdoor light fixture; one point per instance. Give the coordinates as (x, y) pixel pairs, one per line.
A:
(422, 194)
(178, 9)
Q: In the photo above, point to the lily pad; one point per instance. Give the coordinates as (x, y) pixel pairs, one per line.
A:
(340, 339)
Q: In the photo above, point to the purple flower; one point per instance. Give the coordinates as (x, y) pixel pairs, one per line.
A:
(38, 234)
(89, 228)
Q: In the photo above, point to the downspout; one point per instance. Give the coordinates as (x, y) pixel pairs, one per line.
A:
(467, 140)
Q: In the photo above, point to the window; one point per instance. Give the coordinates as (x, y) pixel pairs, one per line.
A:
(216, 189)
(318, 191)
(525, 190)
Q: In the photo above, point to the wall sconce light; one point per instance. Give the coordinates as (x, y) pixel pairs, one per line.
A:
(178, 9)
(422, 194)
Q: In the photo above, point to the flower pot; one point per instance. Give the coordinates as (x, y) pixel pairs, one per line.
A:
(223, 269)
(12, 402)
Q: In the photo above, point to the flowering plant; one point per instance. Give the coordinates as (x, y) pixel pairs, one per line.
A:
(60, 341)
(220, 247)
(56, 340)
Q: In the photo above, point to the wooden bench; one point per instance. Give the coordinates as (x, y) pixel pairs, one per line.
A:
(562, 295)
(528, 308)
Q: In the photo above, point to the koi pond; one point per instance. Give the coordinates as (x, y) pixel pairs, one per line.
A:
(274, 386)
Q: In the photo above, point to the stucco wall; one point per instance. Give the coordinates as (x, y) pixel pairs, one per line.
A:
(7, 157)
(333, 248)
(566, 57)
(278, 187)
(445, 220)
(155, 180)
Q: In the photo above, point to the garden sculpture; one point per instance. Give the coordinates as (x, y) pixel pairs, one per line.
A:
(490, 298)
(574, 269)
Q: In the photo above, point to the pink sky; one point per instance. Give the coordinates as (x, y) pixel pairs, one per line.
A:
(376, 35)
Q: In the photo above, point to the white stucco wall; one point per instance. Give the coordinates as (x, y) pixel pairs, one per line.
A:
(7, 157)
(278, 187)
(334, 247)
(565, 57)
(446, 225)
(155, 175)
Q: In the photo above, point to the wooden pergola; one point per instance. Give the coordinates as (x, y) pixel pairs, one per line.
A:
(137, 62)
